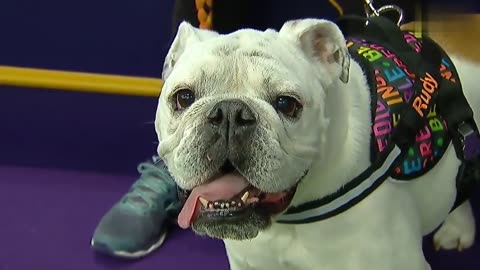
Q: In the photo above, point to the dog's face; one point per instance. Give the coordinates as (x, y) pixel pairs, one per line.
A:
(240, 120)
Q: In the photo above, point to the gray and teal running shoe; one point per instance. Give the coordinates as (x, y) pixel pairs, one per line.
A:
(137, 224)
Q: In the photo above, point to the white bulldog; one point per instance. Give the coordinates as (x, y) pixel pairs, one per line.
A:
(252, 122)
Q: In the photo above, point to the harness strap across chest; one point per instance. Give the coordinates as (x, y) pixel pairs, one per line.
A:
(431, 90)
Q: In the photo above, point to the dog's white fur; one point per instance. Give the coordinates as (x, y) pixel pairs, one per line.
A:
(382, 232)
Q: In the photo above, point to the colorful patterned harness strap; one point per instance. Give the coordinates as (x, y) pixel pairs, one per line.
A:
(418, 109)
(394, 89)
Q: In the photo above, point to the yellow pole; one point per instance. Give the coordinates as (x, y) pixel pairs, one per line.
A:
(80, 81)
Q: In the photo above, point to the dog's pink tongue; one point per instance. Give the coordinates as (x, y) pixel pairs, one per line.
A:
(223, 188)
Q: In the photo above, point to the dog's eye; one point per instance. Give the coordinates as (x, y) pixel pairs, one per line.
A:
(289, 106)
(183, 99)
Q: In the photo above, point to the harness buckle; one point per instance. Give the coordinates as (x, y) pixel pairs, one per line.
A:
(470, 140)
(371, 11)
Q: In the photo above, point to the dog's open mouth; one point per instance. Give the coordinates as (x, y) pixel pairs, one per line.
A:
(229, 197)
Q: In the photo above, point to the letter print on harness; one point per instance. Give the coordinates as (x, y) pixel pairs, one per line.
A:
(393, 88)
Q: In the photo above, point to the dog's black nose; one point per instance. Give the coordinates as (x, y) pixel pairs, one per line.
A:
(233, 118)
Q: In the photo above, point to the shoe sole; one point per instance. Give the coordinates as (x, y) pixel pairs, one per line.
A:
(128, 254)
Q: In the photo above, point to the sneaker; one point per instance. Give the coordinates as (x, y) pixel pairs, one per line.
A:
(137, 224)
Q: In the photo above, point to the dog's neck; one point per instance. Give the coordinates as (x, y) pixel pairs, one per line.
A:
(345, 152)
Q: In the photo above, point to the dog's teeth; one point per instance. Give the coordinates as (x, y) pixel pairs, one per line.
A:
(239, 204)
(222, 205)
(204, 202)
(227, 205)
(210, 205)
(245, 197)
(216, 203)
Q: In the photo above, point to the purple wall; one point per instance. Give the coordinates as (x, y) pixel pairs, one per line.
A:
(75, 130)
(72, 129)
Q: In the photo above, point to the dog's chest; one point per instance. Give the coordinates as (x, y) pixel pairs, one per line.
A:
(287, 247)
(392, 86)
(281, 249)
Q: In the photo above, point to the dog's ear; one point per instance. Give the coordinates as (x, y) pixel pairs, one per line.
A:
(186, 36)
(321, 40)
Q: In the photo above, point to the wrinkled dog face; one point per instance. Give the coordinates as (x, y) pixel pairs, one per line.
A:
(240, 120)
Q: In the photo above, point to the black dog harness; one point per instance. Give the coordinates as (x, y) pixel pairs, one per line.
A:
(418, 110)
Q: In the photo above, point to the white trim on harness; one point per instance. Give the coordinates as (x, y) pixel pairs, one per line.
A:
(347, 197)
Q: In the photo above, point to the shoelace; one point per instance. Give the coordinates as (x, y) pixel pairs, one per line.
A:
(153, 180)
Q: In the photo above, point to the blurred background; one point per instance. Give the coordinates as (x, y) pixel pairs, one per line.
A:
(77, 130)
(112, 133)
